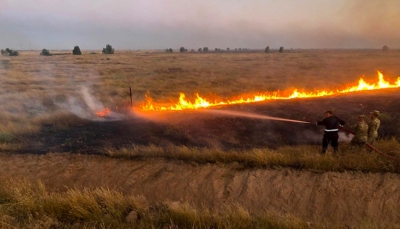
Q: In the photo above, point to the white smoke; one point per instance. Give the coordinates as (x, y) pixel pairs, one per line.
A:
(87, 107)
(91, 101)
(345, 137)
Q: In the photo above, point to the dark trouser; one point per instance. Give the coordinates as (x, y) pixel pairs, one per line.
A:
(331, 137)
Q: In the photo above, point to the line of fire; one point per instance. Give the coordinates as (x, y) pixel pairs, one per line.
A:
(204, 104)
(199, 102)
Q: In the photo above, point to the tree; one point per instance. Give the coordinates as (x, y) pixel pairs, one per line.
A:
(281, 49)
(14, 53)
(182, 49)
(385, 48)
(227, 49)
(169, 50)
(205, 49)
(45, 52)
(199, 50)
(108, 49)
(267, 49)
(76, 51)
(9, 52)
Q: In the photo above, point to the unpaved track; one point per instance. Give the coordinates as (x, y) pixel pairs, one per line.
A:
(347, 198)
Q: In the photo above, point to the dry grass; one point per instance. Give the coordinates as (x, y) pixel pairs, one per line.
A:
(27, 205)
(31, 205)
(298, 157)
(32, 84)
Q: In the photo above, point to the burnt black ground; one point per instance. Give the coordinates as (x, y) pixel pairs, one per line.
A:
(194, 128)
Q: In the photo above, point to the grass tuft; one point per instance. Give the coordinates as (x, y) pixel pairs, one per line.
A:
(6, 137)
(298, 157)
(31, 205)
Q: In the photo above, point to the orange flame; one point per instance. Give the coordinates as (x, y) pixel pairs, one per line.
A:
(104, 112)
(200, 102)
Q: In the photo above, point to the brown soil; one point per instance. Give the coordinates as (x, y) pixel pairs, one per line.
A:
(336, 198)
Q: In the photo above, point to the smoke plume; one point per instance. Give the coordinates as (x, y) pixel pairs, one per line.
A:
(87, 106)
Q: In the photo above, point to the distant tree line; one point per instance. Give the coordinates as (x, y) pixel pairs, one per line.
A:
(9, 52)
(110, 50)
(267, 49)
(206, 49)
(77, 51)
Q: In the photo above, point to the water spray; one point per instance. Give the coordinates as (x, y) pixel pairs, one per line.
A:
(252, 115)
(258, 116)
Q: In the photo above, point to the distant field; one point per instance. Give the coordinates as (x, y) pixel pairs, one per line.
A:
(49, 105)
(38, 94)
(31, 84)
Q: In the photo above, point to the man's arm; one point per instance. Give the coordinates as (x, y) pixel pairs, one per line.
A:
(320, 122)
(341, 121)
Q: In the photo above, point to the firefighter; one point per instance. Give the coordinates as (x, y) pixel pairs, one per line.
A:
(373, 126)
(361, 131)
(331, 135)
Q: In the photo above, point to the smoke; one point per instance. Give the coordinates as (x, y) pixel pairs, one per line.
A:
(345, 137)
(68, 97)
(90, 101)
(157, 24)
(375, 20)
(87, 106)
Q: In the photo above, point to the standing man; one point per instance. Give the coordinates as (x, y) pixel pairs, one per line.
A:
(361, 132)
(373, 127)
(331, 124)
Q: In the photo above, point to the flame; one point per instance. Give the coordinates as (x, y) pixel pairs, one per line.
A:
(103, 113)
(200, 102)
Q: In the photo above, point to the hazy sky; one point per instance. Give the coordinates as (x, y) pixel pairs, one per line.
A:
(160, 24)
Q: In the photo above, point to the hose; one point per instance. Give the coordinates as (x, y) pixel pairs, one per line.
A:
(369, 145)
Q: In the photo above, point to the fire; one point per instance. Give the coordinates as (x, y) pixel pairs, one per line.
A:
(103, 113)
(200, 102)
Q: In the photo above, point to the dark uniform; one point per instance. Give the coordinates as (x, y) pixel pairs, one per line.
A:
(331, 135)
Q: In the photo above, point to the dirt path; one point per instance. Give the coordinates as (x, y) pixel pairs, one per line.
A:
(349, 197)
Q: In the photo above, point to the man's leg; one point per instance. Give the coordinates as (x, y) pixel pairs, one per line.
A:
(334, 141)
(371, 140)
(325, 142)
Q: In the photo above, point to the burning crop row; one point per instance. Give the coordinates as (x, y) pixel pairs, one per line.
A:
(200, 102)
